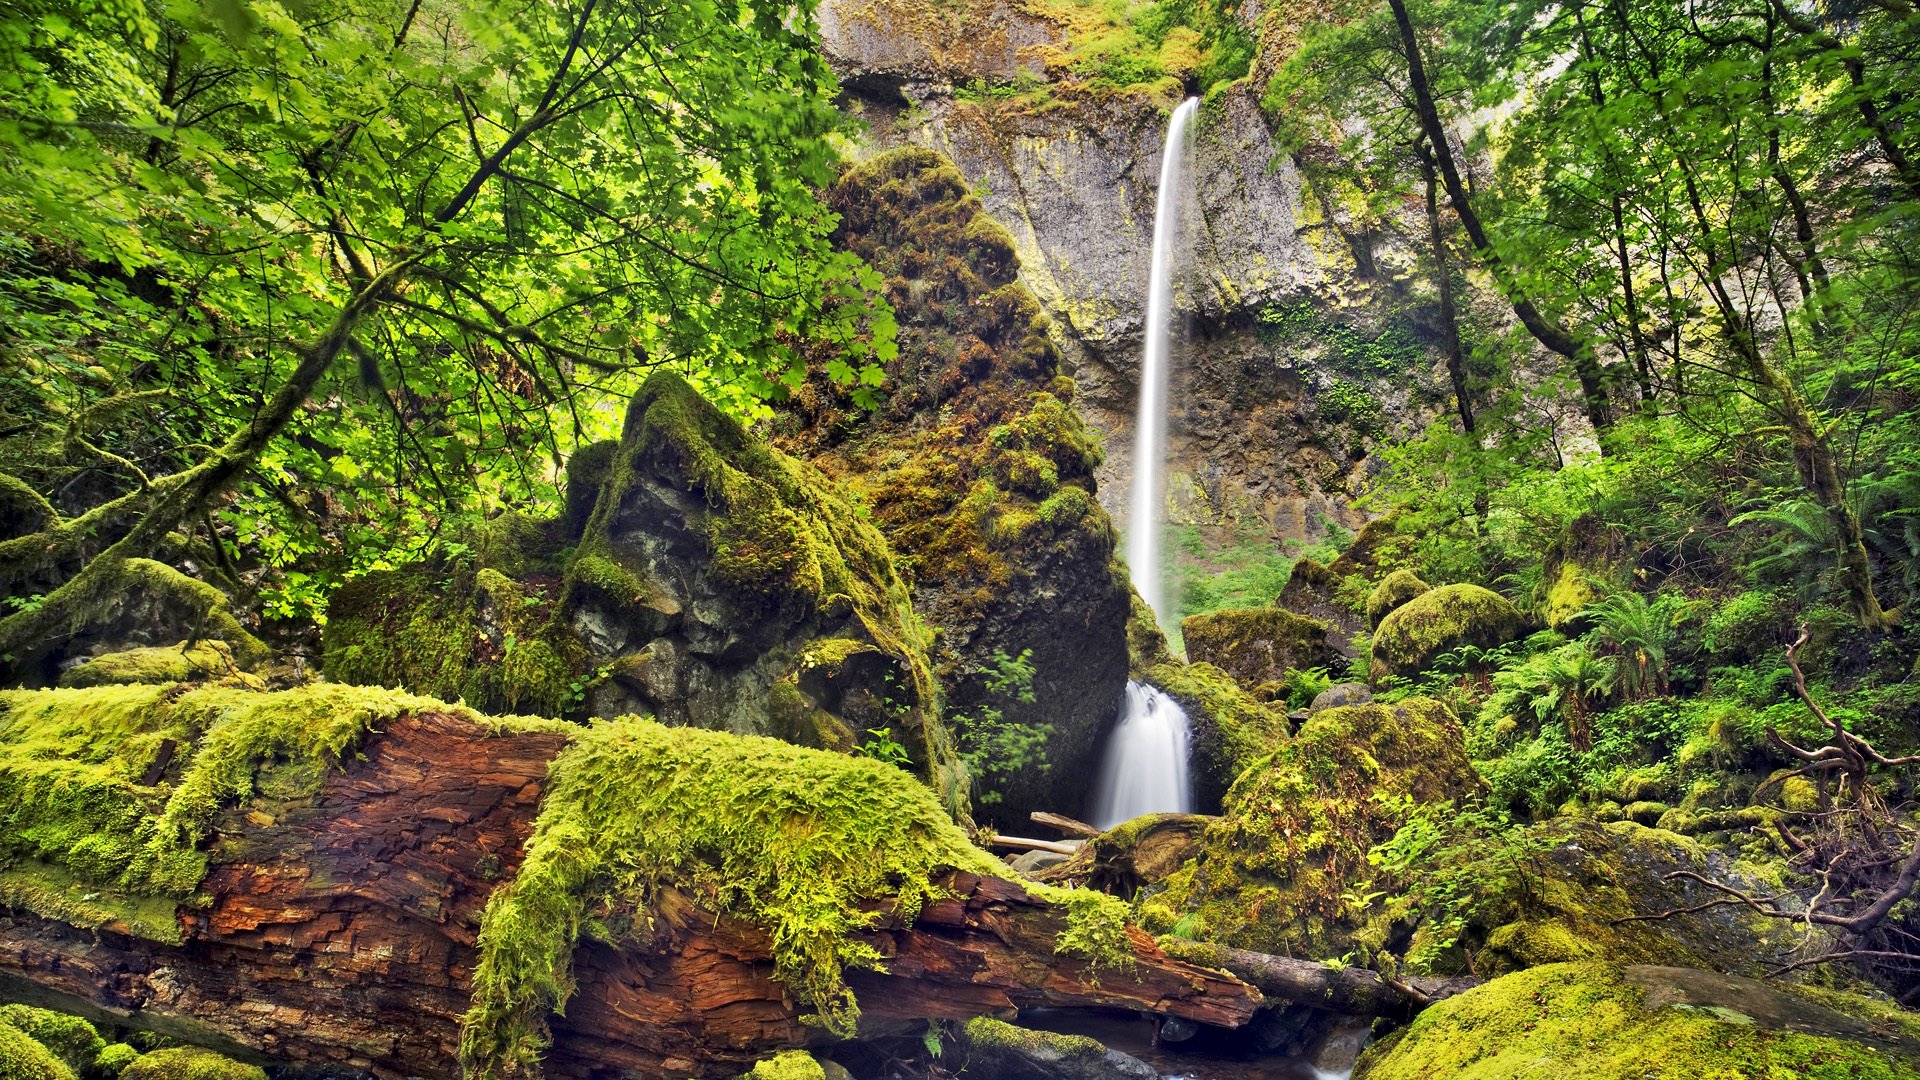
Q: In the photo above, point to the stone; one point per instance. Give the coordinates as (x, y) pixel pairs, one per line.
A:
(1393, 590)
(1257, 645)
(990, 1047)
(1439, 621)
(1341, 694)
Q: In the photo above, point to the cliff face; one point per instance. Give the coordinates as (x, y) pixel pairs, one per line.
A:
(1281, 381)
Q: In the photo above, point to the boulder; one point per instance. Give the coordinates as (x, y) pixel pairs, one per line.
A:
(1310, 591)
(182, 662)
(1602, 1021)
(1285, 869)
(1393, 590)
(21, 1058)
(990, 1047)
(1257, 645)
(1439, 621)
(1341, 694)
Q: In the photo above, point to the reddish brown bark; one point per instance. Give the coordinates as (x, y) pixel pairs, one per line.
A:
(342, 929)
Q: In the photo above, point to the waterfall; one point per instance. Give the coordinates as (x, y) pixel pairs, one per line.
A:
(1144, 770)
(1144, 506)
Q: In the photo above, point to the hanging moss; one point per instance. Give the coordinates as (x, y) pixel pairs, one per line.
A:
(1603, 1022)
(97, 830)
(1411, 636)
(1394, 590)
(792, 839)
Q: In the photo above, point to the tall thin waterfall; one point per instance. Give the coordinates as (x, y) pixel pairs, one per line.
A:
(1144, 769)
(1144, 506)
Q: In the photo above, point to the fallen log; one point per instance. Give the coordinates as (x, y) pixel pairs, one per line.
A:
(341, 921)
(1064, 825)
(1349, 991)
(1024, 843)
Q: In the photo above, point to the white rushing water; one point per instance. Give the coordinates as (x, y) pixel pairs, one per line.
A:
(1145, 501)
(1144, 770)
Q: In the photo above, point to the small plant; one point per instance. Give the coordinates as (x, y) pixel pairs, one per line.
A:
(993, 747)
(882, 746)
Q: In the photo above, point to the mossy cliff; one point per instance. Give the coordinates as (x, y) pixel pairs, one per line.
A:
(1285, 869)
(979, 473)
(1607, 1022)
(1440, 620)
(111, 793)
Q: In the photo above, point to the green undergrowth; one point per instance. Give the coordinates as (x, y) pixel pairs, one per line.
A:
(110, 792)
(811, 846)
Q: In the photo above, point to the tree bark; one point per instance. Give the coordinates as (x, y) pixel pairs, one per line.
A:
(1350, 991)
(341, 930)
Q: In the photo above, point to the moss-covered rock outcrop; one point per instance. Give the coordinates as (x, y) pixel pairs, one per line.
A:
(183, 662)
(1285, 869)
(1607, 1022)
(1411, 636)
(1393, 590)
(1256, 645)
(1232, 730)
(990, 1047)
(979, 473)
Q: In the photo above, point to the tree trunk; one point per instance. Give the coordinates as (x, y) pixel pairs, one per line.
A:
(1349, 991)
(341, 930)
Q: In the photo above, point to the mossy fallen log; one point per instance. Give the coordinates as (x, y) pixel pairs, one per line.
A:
(1349, 991)
(384, 882)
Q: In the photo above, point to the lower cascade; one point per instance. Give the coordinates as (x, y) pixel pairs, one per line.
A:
(1145, 767)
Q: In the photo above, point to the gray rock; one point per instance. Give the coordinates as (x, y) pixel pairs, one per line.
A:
(1346, 693)
(1032, 862)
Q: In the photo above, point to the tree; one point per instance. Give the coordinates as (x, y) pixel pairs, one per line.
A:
(377, 242)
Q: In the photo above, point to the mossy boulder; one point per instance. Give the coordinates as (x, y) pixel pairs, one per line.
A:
(1447, 618)
(1579, 567)
(22, 1058)
(480, 628)
(723, 584)
(1256, 645)
(990, 1047)
(791, 1065)
(1285, 869)
(73, 1040)
(1603, 1021)
(189, 1063)
(980, 473)
(1393, 590)
(1232, 730)
(182, 662)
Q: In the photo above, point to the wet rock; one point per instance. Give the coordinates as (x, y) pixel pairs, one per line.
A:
(1341, 694)
(989, 1047)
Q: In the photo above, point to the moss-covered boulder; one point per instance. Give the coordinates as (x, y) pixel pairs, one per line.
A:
(981, 475)
(1602, 1021)
(1414, 634)
(1579, 567)
(482, 627)
(71, 1039)
(1285, 869)
(22, 1058)
(1232, 730)
(791, 1065)
(723, 584)
(1393, 590)
(1576, 889)
(189, 1063)
(186, 661)
(990, 1047)
(1336, 593)
(1256, 645)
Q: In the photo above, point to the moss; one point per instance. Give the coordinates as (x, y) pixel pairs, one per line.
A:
(587, 472)
(1393, 590)
(1232, 731)
(114, 1059)
(189, 1063)
(1414, 634)
(994, 1039)
(1256, 645)
(110, 792)
(21, 1058)
(1602, 1022)
(1285, 869)
(788, 1065)
(206, 659)
(71, 1039)
(1567, 597)
(793, 840)
(125, 589)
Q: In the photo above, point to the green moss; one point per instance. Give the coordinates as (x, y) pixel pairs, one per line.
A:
(788, 1065)
(21, 1058)
(97, 830)
(1285, 869)
(114, 1059)
(1570, 594)
(794, 840)
(207, 659)
(1593, 1021)
(1393, 590)
(71, 1039)
(1256, 645)
(587, 472)
(1232, 731)
(1412, 635)
(991, 1039)
(189, 1063)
